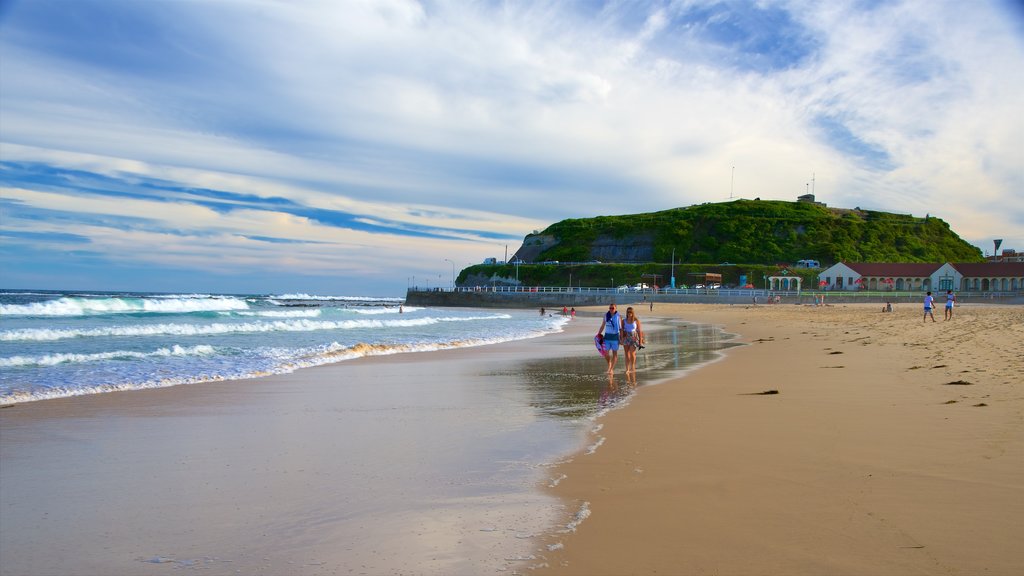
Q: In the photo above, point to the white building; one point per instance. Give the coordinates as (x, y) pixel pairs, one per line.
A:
(964, 277)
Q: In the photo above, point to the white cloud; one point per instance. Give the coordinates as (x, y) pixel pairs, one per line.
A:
(506, 117)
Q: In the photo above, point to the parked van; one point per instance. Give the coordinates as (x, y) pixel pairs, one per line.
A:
(808, 264)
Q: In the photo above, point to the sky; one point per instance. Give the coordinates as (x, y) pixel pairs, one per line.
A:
(362, 147)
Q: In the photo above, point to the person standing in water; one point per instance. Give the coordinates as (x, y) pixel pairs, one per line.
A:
(632, 338)
(611, 326)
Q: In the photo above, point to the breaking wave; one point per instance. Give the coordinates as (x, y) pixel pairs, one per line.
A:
(75, 306)
(295, 325)
(60, 358)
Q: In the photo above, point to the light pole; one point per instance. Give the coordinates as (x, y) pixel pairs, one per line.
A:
(673, 273)
(453, 273)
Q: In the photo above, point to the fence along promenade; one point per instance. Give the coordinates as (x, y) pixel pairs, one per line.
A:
(549, 296)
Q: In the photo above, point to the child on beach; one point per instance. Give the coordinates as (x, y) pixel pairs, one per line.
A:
(950, 300)
(929, 302)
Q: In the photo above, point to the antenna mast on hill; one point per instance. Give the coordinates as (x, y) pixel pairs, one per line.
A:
(812, 182)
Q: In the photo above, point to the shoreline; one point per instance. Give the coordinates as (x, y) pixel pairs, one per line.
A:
(425, 463)
(891, 447)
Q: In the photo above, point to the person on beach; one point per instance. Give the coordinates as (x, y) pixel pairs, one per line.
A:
(632, 338)
(929, 303)
(572, 312)
(611, 326)
(950, 301)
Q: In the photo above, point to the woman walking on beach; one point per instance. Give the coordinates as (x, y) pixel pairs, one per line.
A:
(611, 326)
(632, 338)
(929, 303)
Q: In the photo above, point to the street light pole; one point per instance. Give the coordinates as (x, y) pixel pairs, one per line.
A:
(673, 273)
(453, 273)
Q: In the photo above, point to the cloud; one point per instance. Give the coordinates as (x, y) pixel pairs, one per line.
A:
(402, 126)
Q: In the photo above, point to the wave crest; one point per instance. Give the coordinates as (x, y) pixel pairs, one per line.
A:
(74, 306)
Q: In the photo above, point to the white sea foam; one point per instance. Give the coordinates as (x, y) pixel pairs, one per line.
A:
(293, 325)
(593, 447)
(65, 358)
(288, 363)
(313, 313)
(337, 298)
(75, 306)
(378, 310)
(582, 514)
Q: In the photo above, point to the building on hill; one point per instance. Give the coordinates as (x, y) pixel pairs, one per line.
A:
(809, 199)
(1007, 255)
(962, 277)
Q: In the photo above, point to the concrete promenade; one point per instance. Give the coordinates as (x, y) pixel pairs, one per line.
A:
(557, 297)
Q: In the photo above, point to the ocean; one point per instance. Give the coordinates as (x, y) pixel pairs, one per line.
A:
(426, 463)
(56, 344)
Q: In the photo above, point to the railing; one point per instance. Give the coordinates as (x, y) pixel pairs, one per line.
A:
(852, 295)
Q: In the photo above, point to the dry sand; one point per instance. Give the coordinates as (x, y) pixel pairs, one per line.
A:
(893, 446)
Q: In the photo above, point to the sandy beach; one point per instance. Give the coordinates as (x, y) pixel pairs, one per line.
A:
(890, 446)
(415, 463)
(840, 440)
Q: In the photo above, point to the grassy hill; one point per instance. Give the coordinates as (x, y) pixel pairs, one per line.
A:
(751, 238)
(753, 232)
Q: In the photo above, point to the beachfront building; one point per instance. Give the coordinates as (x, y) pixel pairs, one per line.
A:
(963, 277)
(991, 277)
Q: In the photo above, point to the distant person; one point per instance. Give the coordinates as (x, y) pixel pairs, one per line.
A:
(929, 303)
(572, 312)
(401, 310)
(950, 301)
(632, 338)
(565, 311)
(611, 326)
(542, 311)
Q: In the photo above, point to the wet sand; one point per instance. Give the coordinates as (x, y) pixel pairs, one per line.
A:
(422, 463)
(840, 440)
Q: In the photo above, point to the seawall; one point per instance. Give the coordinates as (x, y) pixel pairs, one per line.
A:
(559, 297)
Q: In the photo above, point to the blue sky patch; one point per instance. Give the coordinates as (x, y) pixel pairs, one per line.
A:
(837, 135)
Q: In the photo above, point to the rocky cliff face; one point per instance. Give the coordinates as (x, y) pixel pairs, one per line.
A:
(533, 245)
(604, 248)
(634, 248)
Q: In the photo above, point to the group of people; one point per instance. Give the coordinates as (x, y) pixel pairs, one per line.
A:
(625, 331)
(929, 303)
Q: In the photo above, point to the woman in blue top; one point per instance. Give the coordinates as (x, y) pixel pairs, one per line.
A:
(611, 325)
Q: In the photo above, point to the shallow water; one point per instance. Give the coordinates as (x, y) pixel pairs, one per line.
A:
(427, 464)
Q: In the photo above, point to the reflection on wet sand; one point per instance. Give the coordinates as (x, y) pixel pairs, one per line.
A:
(577, 385)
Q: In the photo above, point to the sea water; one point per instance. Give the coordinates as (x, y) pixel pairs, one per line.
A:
(56, 344)
(432, 469)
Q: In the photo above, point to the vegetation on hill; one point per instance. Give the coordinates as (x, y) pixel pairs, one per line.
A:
(758, 232)
(744, 240)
